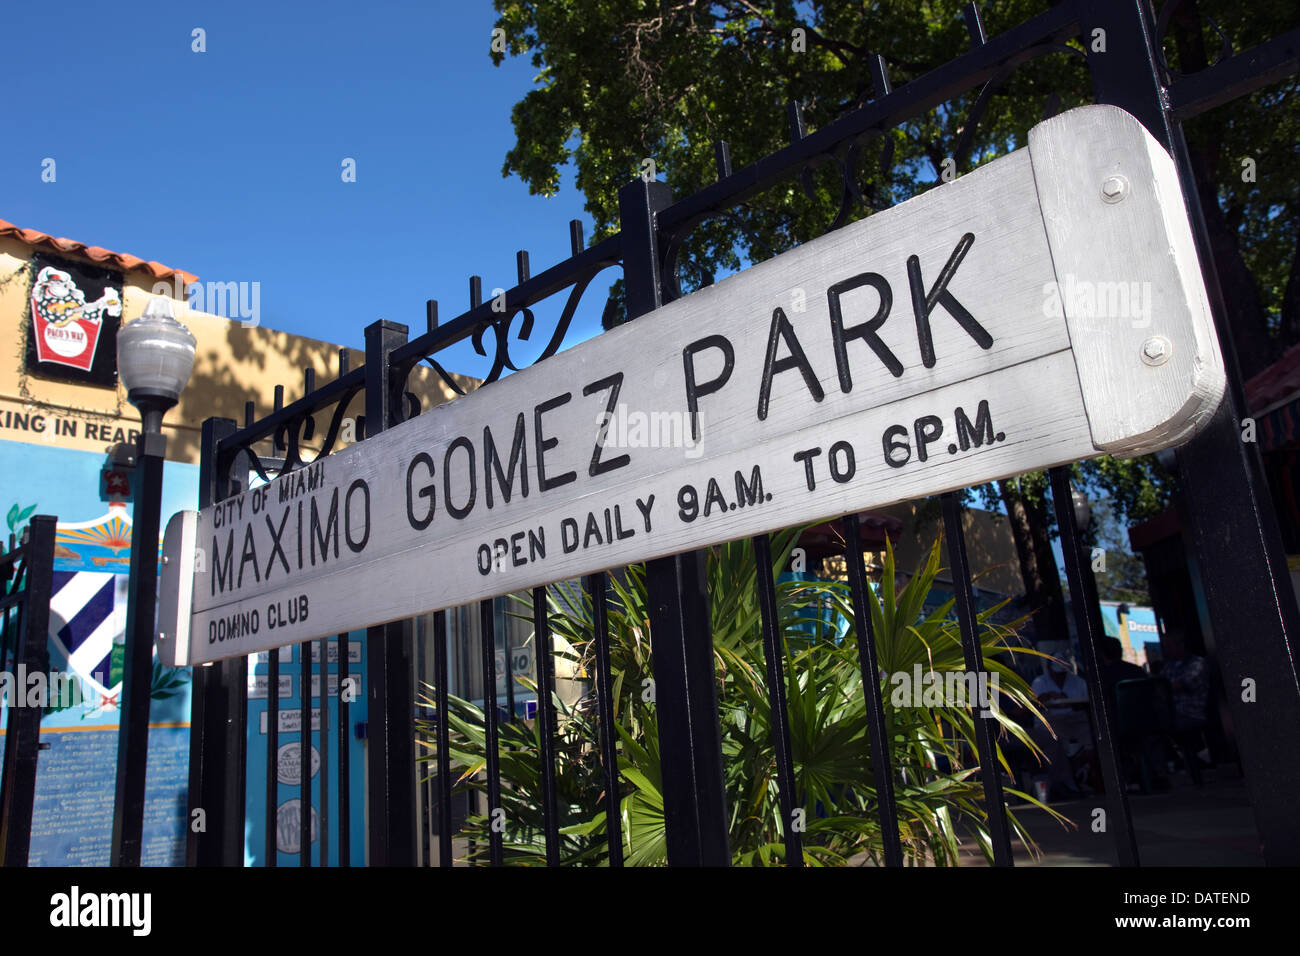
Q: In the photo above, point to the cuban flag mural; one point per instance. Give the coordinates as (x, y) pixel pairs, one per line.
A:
(72, 822)
(88, 605)
(92, 561)
(87, 624)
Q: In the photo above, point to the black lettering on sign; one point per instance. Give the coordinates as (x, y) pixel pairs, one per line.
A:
(536, 544)
(806, 456)
(277, 546)
(644, 507)
(697, 390)
(895, 440)
(928, 429)
(613, 383)
(249, 554)
(546, 444)
(492, 462)
(224, 574)
(751, 492)
(357, 546)
(427, 491)
(923, 303)
(569, 535)
(842, 461)
(782, 330)
(456, 511)
(867, 331)
(712, 495)
(978, 434)
(319, 535)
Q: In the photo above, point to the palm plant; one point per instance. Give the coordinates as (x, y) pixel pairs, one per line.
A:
(938, 792)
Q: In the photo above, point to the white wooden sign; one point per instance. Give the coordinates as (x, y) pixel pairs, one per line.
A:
(1045, 308)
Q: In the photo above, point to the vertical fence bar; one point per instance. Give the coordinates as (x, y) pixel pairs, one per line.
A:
(1252, 621)
(546, 721)
(324, 736)
(345, 780)
(388, 648)
(774, 655)
(272, 753)
(510, 675)
(23, 733)
(881, 764)
(985, 744)
(304, 757)
(218, 715)
(597, 586)
(137, 668)
(14, 576)
(487, 636)
(681, 637)
(12, 583)
(444, 738)
(1087, 619)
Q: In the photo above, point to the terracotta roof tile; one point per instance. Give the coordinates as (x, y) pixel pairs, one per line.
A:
(119, 260)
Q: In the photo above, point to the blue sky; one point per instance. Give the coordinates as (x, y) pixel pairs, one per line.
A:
(228, 163)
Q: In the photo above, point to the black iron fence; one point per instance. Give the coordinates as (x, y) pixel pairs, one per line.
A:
(27, 576)
(1249, 605)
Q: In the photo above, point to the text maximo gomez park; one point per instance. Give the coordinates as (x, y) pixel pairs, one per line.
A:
(900, 356)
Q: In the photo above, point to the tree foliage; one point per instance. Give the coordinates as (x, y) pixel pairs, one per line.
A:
(623, 82)
(939, 796)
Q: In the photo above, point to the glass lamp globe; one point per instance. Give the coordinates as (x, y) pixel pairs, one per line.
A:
(155, 355)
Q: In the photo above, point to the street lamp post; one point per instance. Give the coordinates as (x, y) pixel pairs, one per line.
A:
(155, 355)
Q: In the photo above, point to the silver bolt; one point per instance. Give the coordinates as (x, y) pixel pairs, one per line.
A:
(1114, 188)
(1156, 350)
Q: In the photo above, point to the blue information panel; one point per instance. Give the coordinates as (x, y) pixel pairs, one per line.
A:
(324, 755)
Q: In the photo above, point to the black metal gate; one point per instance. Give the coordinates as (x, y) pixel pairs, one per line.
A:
(1250, 608)
(27, 574)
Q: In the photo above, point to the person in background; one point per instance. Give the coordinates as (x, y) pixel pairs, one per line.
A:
(1073, 733)
(1189, 680)
(1113, 670)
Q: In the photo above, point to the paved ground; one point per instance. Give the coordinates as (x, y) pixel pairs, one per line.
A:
(1212, 825)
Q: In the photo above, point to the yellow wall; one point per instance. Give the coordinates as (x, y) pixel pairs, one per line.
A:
(233, 365)
(989, 546)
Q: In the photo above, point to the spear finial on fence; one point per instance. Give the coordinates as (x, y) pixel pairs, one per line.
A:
(974, 24)
(794, 113)
(879, 75)
(722, 158)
